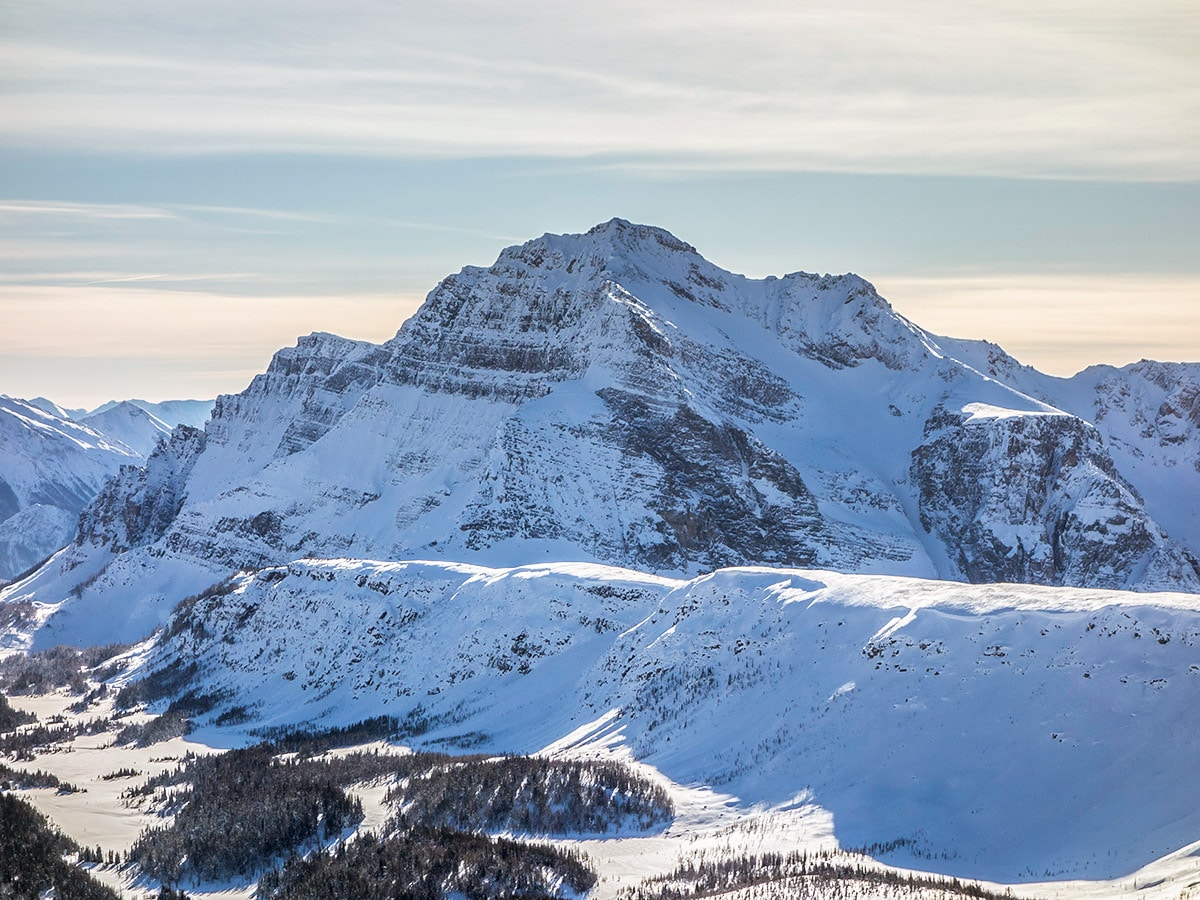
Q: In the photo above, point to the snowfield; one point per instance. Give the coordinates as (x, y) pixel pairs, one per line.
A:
(1001, 732)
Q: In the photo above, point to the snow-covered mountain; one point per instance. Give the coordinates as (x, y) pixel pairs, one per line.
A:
(615, 397)
(53, 461)
(50, 468)
(1008, 732)
(130, 424)
(54, 409)
(172, 412)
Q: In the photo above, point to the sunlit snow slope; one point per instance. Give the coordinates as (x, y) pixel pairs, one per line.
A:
(1004, 732)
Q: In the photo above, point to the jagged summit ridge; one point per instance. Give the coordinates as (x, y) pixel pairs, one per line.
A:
(840, 319)
(614, 397)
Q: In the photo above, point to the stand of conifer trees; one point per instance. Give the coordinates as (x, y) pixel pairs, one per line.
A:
(430, 864)
(31, 858)
(239, 813)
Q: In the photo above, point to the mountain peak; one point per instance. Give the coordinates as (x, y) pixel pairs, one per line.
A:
(53, 408)
(616, 244)
(613, 396)
(631, 234)
(131, 424)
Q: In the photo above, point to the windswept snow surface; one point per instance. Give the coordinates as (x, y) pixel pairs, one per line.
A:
(1001, 732)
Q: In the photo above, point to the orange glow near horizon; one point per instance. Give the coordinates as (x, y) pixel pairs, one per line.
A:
(83, 345)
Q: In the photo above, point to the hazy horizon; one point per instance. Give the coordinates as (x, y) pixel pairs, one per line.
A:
(186, 189)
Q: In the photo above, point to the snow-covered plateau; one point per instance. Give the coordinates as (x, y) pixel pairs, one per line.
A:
(837, 581)
(1021, 735)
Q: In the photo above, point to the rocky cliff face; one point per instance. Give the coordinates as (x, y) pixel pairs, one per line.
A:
(138, 506)
(615, 397)
(1037, 499)
(1149, 414)
(1145, 415)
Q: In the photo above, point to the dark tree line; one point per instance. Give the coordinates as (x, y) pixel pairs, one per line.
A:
(312, 741)
(31, 858)
(19, 778)
(430, 864)
(239, 812)
(21, 744)
(171, 724)
(58, 667)
(12, 719)
(530, 795)
(797, 876)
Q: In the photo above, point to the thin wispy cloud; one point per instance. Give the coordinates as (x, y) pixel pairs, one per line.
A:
(131, 279)
(47, 208)
(1063, 90)
(42, 208)
(251, 212)
(207, 213)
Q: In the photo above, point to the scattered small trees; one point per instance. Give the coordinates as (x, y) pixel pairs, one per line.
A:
(49, 670)
(800, 876)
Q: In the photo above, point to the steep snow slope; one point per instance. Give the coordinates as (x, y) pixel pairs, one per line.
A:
(50, 467)
(173, 412)
(614, 397)
(1010, 733)
(129, 424)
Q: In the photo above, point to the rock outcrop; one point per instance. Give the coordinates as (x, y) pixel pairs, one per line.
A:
(1037, 499)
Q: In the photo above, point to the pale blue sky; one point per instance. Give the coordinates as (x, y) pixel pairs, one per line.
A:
(186, 187)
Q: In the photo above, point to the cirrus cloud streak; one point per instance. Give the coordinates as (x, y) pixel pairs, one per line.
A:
(1045, 90)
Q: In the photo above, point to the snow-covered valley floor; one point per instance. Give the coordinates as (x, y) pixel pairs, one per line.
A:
(708, 824)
